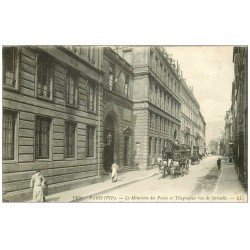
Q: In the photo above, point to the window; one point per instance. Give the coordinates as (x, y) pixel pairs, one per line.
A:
(90, 141)
(156, 65)
(159, 152)
(126, 86)
(9, 135)
(111, 76)
(10, 66)
(42, 138)
(44, 77)
(156, 96)
(150, 92)
(152, 59)
(156, 122)
(91, 54)
(155, 145)
(150, 145)
(165, 76)
(70, 139)
(127, 55)
(150, 119)
(71, 89)
(91, 97)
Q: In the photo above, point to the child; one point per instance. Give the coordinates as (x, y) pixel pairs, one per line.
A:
(36, 185)
(114, 169)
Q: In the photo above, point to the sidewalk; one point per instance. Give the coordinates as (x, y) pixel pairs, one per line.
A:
(101, 187)
(229, 184)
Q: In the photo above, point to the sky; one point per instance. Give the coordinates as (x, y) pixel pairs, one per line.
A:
(209, 69)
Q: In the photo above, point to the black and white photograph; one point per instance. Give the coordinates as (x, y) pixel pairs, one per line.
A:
(124, 123)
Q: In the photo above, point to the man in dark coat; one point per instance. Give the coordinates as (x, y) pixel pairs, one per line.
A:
(219, 163)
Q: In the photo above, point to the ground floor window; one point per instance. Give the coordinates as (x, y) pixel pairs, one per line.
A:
(8, 135)
(42, 137)
(70, 139)
(90, 141)
(150, 145)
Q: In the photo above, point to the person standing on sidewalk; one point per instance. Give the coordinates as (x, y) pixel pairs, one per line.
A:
(37, 183)
(219, 163)
(114, 169)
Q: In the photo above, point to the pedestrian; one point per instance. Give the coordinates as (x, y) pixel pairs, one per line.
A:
(219, 163)
(37, 184)
(114, 169)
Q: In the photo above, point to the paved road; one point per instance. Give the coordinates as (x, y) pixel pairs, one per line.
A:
(200, 182)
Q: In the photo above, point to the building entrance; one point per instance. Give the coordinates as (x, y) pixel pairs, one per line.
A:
(109, 143)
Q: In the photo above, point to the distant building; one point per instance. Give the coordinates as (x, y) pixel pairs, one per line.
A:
(213, 146)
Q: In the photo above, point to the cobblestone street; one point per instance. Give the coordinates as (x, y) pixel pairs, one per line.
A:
(201, 184)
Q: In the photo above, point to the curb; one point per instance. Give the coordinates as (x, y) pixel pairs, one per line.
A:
(111, 188)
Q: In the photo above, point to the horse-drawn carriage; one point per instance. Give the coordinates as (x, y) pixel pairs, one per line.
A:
(176, 163)
(195, 159)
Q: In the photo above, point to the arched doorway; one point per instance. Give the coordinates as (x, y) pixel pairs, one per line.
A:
(110, 138)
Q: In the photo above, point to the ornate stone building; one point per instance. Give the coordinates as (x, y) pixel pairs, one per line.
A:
(192, 122)
(67, 110)
(117, 115)
(156, 97)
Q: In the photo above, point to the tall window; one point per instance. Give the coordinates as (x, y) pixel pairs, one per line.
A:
(151, 92)
(150, 120)
(8, 135)
(42, 137)
(71, 88)
(155, 145)
(70, 139)
(127, 55)
(90, 141)
(91, 54)
(152, 59)
(156, 65)
(156, 96)
(44, 77)
(10, 62)
(126, 86)
(111, 75)
(91, 97)
(150, 146)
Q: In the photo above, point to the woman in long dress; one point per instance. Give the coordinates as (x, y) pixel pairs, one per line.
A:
(114, 169)
(36, 185)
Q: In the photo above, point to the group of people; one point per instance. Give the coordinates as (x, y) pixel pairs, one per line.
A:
(38, 184)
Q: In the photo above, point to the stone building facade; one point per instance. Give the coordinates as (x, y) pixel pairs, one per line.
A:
(156, 97)
(239, 110)
(228, 135)
(117, 115)
(61, 115)
(202, 134)
(192, 122)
